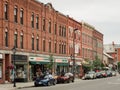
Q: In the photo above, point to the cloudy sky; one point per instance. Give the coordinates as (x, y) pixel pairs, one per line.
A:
(104, 15)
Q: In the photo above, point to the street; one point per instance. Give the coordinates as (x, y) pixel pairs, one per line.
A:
(111, 83)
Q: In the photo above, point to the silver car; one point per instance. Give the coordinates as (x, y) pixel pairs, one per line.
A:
(90, 75)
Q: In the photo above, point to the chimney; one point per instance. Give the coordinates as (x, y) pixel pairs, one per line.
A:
(113, 43)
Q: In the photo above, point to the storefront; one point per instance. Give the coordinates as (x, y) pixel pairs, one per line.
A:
(62, 65)
(78, 67)
(21, 68)
(37, 63)
(1, 69)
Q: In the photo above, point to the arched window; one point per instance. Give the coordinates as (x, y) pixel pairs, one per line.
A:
(32, 42)
(37, 43)
(21, 16)
(15, 39)
(15, 14)
(21, 40)
(6, 11)
(44, 44)
(6, 37)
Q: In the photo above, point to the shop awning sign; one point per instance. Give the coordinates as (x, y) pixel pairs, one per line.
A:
(61, 60)
(40, 59)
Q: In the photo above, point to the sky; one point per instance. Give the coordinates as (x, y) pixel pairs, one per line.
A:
(104, 15)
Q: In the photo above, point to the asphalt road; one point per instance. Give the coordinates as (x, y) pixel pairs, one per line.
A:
(111, 83)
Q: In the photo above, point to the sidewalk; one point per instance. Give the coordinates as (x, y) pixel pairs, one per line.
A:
(9, 86)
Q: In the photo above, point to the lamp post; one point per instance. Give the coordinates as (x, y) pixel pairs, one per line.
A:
(73, 55)
(14, 51)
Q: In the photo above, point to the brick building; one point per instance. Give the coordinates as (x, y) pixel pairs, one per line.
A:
(92, 42)
(40, 34)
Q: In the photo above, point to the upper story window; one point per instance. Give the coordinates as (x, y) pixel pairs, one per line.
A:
(6, 37)
(43, 23)
(37, 43)
(55, 28)
(50, 46)
(44, 48)
(15, 14)
(49, 26)
(60, 30)
(64, 32)
(6, 11)
(15, 39)
(32, 42)
(21, 40)
(32, 20)
(21, 16)
(37, 22)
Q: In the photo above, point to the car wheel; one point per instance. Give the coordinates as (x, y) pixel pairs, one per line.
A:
(54, 83)
(48, 84)
(35, 85)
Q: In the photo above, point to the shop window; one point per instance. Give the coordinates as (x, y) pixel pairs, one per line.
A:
(20, 73)
(0, 70)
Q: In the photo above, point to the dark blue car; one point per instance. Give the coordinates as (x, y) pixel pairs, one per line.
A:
(46, 80)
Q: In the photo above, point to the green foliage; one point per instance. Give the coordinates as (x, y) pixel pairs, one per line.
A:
(97, 63)
(50, 65)
(119, 65)
(86, 67)
(93, 64)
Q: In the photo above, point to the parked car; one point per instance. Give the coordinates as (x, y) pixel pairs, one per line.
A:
(104, 74)
(98, 75)
(66, 78)
(114, 73)
(46, 80)
(109, 73)
(90, 75)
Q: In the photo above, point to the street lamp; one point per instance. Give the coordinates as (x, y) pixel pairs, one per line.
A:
(73, 55)
(14, 51)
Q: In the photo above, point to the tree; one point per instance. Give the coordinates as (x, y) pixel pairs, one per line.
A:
(50, 65)
(97, 63)
(118, 65)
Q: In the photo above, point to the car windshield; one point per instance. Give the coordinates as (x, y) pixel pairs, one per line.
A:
(90, 72)
(48, 76)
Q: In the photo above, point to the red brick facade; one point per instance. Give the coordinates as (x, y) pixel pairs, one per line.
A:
(92, 42)
(38, 30)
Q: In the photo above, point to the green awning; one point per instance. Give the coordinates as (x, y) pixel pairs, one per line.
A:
(62, 64)
(37, 62)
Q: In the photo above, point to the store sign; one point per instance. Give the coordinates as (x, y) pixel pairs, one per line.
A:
(61, 61)
(76, 63)
(1, 56)
(42, 59)
(19, 57)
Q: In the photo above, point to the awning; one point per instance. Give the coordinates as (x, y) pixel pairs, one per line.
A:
(61, 62)
(36, 62)
(39, 60)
